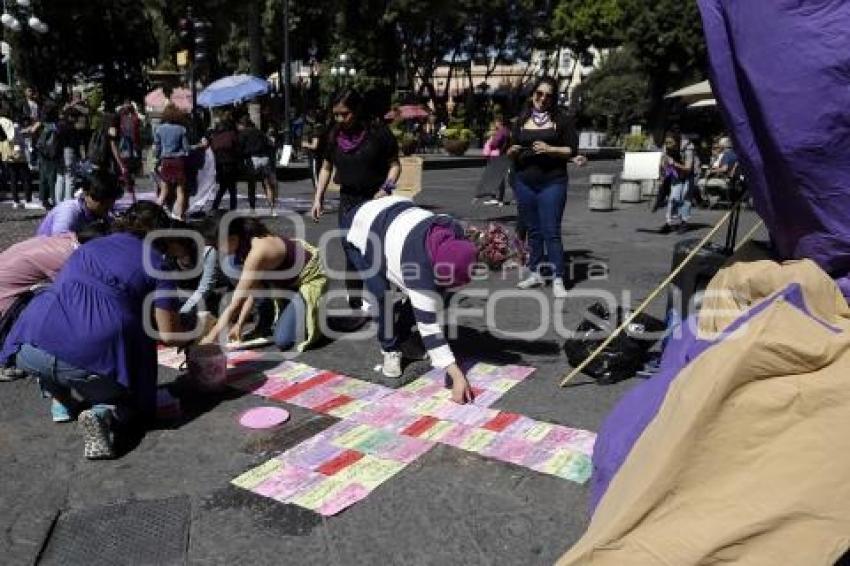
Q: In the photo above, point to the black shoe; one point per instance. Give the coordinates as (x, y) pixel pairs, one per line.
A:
(413, 349)
(666, 229)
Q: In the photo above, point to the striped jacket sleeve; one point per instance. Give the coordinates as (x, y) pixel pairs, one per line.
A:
(426, 306)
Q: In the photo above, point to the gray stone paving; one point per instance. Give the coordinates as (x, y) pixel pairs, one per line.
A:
(449, 507)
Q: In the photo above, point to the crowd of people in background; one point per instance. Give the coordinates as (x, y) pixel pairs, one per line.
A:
(86, 263)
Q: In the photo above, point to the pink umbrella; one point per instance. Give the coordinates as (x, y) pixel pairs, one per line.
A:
(408, 112)
(181, 97)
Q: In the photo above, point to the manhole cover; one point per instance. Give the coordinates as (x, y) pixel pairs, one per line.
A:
(136, 532)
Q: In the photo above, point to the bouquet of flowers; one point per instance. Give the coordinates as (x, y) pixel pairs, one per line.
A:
(498, 246)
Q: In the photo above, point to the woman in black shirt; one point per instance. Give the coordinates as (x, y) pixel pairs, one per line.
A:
(365, 159)
(546, 140)
(224, 142)
(259, 164)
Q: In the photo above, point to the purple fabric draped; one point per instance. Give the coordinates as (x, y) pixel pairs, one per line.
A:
(780, 71)
(633, 413)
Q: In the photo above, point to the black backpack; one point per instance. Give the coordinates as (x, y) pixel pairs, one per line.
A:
(624, 356)
(98, 150)
(47, 145)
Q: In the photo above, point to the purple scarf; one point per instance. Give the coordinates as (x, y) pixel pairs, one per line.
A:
(540, 118)
(348, 141)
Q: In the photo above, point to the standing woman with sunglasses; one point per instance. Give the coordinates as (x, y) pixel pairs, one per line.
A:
(364, 156)
(546, 140)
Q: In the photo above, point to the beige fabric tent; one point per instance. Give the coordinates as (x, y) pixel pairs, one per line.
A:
(748, 458)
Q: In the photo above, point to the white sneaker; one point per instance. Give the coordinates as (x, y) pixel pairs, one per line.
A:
(33, 206)
(491, 202)
(559, 290)
(17, 205)
(530, 282)
(392, 364)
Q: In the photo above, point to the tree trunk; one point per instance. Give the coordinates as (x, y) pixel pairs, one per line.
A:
(656, 117)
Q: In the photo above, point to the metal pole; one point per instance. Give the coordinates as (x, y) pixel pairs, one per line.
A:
(9, 62)
(193, 120)
(285, 76)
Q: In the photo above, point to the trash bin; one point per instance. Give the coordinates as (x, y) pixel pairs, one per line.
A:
(648, 188)
(601, 197)
(630, 190)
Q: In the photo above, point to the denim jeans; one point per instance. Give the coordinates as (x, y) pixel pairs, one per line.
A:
(290, 328)
(65, 177)
(541, 210)
(64, 187)
(69, 384)
(678, 204)
(394, 315)
(398, 329)
(345, 216)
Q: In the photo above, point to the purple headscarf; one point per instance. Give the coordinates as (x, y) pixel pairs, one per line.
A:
(452, 255)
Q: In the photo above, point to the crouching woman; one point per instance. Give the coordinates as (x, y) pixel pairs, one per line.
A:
(84, 338)
(285, 270)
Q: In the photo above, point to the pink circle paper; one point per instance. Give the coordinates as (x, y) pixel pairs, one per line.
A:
(263, 417)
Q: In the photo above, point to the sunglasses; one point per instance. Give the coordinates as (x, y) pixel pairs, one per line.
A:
(541, 94)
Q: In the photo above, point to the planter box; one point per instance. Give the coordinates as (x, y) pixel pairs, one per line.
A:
(456, 147)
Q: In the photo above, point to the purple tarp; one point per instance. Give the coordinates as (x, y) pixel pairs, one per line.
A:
(780, 71)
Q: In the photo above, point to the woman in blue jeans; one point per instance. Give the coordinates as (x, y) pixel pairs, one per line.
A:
(545, 141)
(85, 337)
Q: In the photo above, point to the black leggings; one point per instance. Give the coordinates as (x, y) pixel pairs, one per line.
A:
(227, 177)
(18, 177)
(353, 282)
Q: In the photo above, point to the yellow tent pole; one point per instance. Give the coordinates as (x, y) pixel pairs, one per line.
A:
(750, 234)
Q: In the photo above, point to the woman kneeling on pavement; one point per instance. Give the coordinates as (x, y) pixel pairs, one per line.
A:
(84, 338)
(284, 270)
(424, 255)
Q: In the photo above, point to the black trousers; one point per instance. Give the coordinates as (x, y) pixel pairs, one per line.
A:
(17, 178)
(348, 202)
(227, 176)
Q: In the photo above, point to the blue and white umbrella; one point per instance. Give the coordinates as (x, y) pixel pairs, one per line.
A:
(233, 90)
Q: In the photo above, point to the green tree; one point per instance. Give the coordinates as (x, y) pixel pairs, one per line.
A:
(429, 34)
(110, 40)
(666, 37)
(581, 24)
(615, 95)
